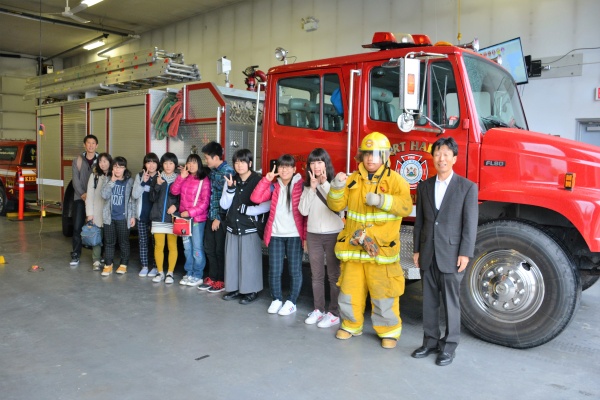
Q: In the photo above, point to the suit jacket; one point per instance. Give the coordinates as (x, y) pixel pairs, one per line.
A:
(449, 232)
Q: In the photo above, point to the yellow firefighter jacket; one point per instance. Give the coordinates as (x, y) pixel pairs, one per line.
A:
(381, 224)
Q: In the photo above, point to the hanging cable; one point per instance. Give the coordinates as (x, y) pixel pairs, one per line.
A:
(569, 52)
(40, 139)
(459, 36)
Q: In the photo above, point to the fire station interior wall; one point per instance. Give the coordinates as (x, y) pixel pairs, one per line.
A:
(74, 122)
(128, 134)
(98, 128)
(48, 168)
(17, 116)
(248, 32)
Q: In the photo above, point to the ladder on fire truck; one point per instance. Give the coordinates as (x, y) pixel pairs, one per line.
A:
(143, 69)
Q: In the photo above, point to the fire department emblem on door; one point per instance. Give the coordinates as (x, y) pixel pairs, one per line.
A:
(412, 168)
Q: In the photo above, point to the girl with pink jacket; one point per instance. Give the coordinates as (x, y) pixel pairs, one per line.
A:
(285, 231)
(193, 188)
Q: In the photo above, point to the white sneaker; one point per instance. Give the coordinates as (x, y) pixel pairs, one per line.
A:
(184, 280)
(143, 272)
(153, 272)
(194, 281)
(314, 317)
(96, 266)
(328, 320)
(158, 278)
(274, 307)
(169, 278)
(288, 308)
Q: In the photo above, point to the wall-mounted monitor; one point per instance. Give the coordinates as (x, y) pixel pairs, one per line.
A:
(511, 54)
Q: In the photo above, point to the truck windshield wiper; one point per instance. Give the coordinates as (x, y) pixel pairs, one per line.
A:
(495, 122)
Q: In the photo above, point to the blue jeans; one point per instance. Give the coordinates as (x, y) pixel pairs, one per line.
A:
(193, 247)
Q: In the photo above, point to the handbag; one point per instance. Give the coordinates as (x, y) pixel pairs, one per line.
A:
(91, 235)
(182, 226)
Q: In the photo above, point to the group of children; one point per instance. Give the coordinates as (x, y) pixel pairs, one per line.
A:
(233, 210)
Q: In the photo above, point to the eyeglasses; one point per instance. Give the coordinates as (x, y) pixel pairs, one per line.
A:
(119, 166)
(285, 167)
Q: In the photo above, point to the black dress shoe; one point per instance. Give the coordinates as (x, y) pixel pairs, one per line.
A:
(231, 295)
(249, 298)
(444, 359)
(423, 352)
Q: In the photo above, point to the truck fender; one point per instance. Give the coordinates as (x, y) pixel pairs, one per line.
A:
(578, 206)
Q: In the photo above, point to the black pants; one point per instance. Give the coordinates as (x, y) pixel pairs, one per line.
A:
(214, 247)
(78, 215)
(117, 231)
(438, 288)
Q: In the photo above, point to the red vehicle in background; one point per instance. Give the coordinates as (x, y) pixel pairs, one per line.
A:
(17, 157)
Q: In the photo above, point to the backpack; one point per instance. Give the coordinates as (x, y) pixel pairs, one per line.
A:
(260, 221)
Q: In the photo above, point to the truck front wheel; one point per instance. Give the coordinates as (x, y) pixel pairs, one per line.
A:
(521, 289)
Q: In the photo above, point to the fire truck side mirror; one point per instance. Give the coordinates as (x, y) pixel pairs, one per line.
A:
(410, 70)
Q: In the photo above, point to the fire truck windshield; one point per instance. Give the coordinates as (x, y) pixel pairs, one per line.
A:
(494, 94)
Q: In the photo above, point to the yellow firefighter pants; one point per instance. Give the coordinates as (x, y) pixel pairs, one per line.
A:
(385, 284)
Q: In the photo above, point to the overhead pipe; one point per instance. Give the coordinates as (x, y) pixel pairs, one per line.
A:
(131, 38)
(35, 17)
(103, 36)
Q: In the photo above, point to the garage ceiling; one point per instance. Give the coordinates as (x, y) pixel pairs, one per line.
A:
(21, 31)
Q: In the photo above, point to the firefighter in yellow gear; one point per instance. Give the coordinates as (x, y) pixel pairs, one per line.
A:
(369, 246)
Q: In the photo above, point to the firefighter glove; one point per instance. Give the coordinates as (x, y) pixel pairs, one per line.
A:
(336, 183)
(374, 199)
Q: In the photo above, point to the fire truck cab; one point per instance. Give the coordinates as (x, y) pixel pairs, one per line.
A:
(539, 234)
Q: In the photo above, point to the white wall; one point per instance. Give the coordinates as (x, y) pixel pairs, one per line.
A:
(248, 32)
(21, 67)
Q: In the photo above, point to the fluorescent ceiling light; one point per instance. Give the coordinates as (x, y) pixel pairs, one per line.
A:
(94, 45)
(90, 3)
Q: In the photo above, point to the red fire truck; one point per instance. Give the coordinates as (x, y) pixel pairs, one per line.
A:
(538, 243)
(17, 157)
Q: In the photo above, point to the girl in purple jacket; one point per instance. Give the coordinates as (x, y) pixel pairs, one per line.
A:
(193, 188)
(285, 231)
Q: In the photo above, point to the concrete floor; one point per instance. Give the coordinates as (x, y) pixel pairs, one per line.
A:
(68, 333)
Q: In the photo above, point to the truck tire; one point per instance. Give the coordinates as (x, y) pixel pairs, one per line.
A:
(587, 281)
(67, 221)
(521, 289)
(3, 203)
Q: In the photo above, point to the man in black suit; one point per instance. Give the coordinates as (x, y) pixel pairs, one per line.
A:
(444, 240)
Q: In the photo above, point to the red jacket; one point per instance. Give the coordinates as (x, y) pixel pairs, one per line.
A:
(263, 193)
(186, 189)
